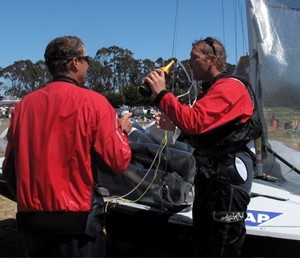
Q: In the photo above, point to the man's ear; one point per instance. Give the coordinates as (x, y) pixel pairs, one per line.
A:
(213, 59)
(74, 64)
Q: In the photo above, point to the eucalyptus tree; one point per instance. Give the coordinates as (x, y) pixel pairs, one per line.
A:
(98, 77)
(23, 77)
(132, 96)
(119, 62)
(115, 99)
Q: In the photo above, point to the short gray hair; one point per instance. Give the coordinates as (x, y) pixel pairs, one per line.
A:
(216, 48)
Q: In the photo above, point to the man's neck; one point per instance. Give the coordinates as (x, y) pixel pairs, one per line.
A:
(65, 78)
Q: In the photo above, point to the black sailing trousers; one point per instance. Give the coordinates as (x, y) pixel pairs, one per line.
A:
(219, 214)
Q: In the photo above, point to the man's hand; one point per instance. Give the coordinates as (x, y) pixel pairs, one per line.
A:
(164, 122)
(157, 81)
(126, 123)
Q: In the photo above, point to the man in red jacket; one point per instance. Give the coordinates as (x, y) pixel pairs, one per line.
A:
(220, 126)
(59, 138)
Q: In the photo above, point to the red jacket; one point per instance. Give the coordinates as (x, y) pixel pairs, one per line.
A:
(223, 101)
(51, 136)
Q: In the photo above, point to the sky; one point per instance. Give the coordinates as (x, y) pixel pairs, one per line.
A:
(148, 28)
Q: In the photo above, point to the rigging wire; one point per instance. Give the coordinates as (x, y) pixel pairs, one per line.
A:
(175, 30)
(238, 13)
(235, 28)
(193, 84)
(223, 22)
(245, 51)
(175, 40)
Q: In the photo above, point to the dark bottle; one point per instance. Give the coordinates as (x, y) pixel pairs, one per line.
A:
(145, 89)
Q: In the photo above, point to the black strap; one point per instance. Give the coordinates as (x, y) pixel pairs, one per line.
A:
(253, 156)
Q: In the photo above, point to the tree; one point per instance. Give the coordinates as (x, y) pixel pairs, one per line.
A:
(97, 77)
(115, 99)
(119, 61)
(24, 77)
(132, 97)
(230, 68)
(1, 85)
(113, 72)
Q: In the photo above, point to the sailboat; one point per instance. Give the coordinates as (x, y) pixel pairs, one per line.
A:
(149, 209)
(156, 224)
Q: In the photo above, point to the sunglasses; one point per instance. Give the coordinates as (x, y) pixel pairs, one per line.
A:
(210, 42)
(85, 58)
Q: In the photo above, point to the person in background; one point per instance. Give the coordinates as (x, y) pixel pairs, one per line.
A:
(60, 138)
(221, 126)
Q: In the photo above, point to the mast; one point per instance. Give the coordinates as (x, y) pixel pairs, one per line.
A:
(253, 78)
